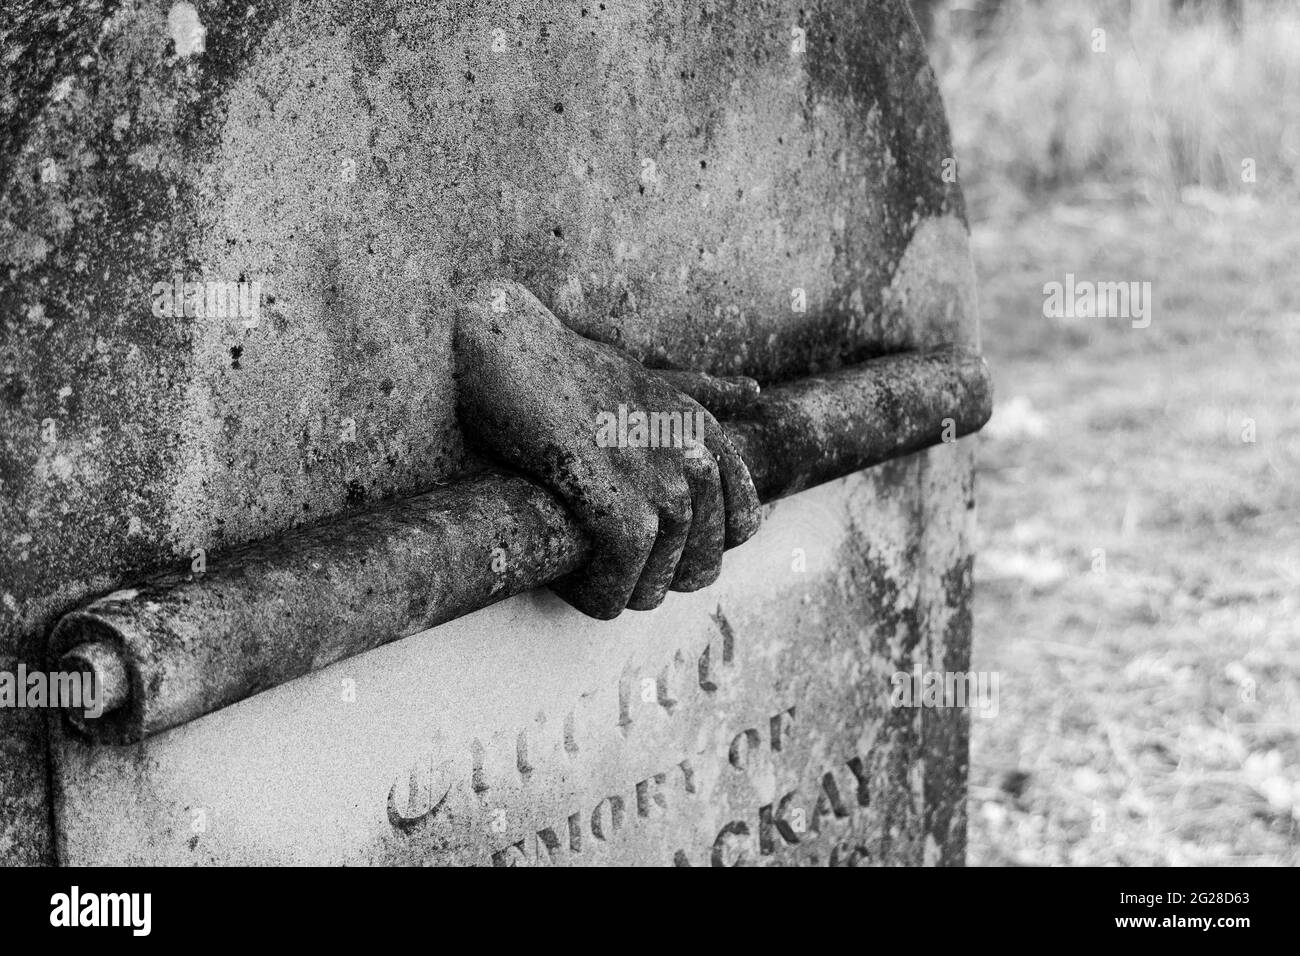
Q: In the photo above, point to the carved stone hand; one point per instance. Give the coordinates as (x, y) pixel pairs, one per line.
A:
(644, 467)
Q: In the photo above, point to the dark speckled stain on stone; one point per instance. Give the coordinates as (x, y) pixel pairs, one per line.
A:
(947, 731)
(234, 30)
(47, 44)
(877, 594)
(852, 60)
(887, 70)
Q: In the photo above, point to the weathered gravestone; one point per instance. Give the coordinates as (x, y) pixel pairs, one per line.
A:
(746, 188)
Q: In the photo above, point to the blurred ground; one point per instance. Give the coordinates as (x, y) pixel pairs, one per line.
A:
(1150, 695)
(1138, 577)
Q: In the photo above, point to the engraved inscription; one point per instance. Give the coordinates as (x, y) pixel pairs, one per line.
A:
(765, 769)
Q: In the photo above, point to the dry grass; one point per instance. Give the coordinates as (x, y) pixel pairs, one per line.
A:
(1166, 104)
(1150, 711)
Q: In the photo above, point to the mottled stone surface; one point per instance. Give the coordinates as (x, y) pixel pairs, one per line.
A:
(660, 175)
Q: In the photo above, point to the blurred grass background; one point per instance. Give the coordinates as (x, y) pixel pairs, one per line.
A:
(1179, 95)
(1138, 575)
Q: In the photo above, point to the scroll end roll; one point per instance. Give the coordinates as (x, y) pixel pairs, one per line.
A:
(108, 672)
(84, 643)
